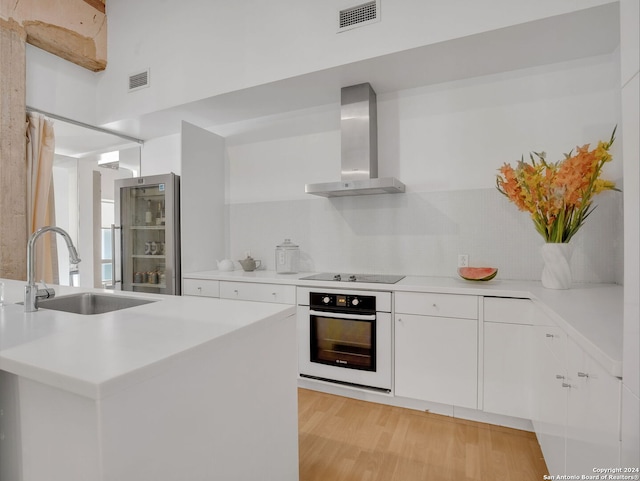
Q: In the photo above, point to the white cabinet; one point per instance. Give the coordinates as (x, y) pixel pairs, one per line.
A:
(200, 287)
(250, 291)
(436, 356)
(576, 413)
(593, 429)
(10, 439)
(550, 396)
(246, 291)
(507, 356)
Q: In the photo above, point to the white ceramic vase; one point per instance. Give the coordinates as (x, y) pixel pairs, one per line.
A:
(556, 273)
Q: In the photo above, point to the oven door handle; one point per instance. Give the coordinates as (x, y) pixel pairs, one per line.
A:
(337, 315)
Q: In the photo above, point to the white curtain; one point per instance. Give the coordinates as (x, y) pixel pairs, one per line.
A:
(40, 199)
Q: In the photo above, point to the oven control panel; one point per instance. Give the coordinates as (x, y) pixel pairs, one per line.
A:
(351, 303)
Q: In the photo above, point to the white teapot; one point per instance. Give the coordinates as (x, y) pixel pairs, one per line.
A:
(225, 265)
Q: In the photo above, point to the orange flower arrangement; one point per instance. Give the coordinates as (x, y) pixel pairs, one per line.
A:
(557, 195)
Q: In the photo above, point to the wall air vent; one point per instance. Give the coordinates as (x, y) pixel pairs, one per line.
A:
(138, 80)
(359, 16)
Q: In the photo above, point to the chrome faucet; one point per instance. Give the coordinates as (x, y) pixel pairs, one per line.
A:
(31, 291)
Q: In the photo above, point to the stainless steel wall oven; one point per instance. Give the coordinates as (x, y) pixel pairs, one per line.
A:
(345, 336)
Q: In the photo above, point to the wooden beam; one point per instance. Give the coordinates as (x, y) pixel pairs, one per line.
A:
(13, 175)
(97, 4)
(75, 30)
(64, 43)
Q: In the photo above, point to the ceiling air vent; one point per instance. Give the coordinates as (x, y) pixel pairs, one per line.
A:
(359, 16)
(139, 80)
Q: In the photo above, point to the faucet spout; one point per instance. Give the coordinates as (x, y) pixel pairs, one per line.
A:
(32, 293)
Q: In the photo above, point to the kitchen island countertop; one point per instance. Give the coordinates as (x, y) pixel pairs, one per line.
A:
(96, 355)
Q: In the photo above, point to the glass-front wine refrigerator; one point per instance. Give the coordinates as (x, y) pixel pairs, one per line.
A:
(148, 220)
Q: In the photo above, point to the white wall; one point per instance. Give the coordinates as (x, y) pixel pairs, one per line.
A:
(65, 182)
(57, 86)
(197, 49)
(161, 156)
(630, 87)
(202, 195)
(108, 178)
(443, 137)
(446, 143)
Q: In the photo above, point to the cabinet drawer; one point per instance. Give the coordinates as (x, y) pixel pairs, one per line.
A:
(508, 310)
(250, 291)
(442, 305)
(200, 287)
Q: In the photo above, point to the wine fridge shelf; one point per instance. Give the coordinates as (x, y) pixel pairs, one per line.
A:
(148, 227)
(149, 256)
(148, 284)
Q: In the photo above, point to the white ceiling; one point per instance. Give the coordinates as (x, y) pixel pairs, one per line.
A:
(580, 34)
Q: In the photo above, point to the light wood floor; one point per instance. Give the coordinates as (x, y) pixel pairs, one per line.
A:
(343, 439)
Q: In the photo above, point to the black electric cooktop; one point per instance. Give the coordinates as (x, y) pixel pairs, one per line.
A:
(372, 278)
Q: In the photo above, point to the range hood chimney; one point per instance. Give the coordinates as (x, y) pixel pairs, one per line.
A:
(359, 135)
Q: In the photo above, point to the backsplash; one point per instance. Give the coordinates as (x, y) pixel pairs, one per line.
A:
(422, 233)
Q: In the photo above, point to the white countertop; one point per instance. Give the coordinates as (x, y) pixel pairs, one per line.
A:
(591, 314)
(97, 355)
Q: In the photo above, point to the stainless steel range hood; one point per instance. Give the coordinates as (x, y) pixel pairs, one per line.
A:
(359, 129)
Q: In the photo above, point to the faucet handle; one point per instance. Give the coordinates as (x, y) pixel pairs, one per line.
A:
(47, 292)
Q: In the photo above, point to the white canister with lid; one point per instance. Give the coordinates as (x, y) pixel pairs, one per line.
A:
(287, 257)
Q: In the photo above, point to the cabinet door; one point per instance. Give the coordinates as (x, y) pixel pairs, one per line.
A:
(250, 291)
(549, 401)
(10, 434)
(436, 359)
(201, 287)
(593, 422)
(507, 369)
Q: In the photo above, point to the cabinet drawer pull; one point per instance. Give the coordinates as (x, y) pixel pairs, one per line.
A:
(549, 335)
(583, 374)
(564, 384)
(559, 376)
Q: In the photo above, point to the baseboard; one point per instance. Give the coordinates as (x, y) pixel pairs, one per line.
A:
(364, 394)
